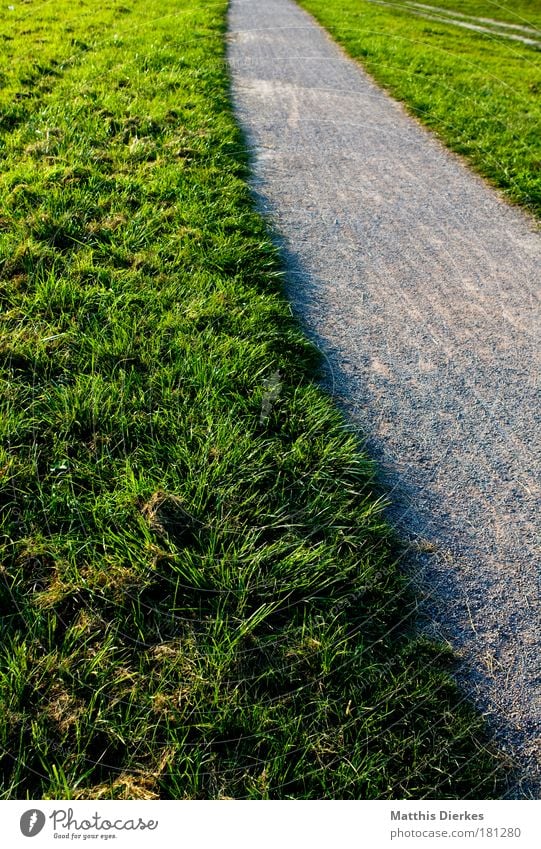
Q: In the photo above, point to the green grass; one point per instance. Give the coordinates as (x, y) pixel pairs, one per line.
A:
(523, 13)
(480, 93)
(199, 596)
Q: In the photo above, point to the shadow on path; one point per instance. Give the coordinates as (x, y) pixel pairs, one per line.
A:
(421, 288)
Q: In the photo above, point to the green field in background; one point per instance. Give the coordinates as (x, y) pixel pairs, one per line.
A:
(480, 92)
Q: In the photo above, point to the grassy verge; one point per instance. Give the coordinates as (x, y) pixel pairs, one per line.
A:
(199, 598)
(479, 92)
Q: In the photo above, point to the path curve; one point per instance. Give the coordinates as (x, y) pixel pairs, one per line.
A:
(421, 286)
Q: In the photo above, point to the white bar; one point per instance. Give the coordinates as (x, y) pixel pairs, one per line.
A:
(280, 825)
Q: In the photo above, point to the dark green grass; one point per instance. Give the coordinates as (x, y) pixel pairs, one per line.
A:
(480, 93)
(197, 600)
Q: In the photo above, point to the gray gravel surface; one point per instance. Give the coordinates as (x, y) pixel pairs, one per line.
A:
(421, 287)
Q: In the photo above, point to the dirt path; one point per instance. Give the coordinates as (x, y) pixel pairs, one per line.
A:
(421, 286)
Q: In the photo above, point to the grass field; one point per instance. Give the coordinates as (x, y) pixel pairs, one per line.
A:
(479, 92)
(199, 598)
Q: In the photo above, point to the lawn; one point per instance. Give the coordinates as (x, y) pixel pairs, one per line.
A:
(479, 92)
(199, 596)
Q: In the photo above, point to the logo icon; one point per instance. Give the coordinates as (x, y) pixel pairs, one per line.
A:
(32, 822)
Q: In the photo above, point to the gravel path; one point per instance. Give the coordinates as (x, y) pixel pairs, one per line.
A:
(421, 287)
